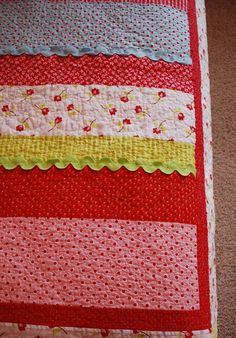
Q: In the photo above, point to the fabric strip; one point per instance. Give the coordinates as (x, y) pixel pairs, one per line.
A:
(95, 265)
(95, 69)
(76, 110)
(97, 152)
(208, 158)
(80, 28)
(104, 194)
(200, 177)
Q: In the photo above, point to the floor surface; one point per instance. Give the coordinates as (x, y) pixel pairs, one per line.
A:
(221, 24)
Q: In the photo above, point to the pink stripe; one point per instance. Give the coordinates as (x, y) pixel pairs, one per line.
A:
(101, 263)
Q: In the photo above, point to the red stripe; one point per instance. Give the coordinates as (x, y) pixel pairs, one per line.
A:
(103, 194)
(115, 70)
(58, 315)
(202, 233)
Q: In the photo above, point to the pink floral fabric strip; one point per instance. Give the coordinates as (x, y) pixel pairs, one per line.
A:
(97, 110)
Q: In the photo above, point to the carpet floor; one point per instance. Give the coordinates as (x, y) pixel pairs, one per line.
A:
(221, 25)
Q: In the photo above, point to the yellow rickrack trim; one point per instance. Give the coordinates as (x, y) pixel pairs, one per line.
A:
(97, 152)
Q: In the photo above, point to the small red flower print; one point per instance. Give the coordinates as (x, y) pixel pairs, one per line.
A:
(20, 127)
(138, 109)
(87, 128)
(95, 91)
(70, 107)
(29, 92)
(161, 94)
(192, 130)
(189, 106)
(57, 98)
(5, 108)
(113, 111)
(124, 99)
(45, 111)
(58, 120)
(126, 121)
(156, 130)
(181, 116)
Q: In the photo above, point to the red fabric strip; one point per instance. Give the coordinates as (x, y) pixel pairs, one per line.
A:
(140, 319)
(98, 194)
(202, 233)
(89, 69)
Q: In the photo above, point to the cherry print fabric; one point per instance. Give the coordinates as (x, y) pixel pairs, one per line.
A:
(97, 111)
(78, 28)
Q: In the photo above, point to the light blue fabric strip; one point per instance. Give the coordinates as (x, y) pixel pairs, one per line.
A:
(77, 28)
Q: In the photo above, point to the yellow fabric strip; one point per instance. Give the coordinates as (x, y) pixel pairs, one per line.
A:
(97, 152)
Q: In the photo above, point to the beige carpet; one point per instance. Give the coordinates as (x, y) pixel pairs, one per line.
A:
(221, 24)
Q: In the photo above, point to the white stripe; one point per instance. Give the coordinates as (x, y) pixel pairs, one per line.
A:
(74, 110)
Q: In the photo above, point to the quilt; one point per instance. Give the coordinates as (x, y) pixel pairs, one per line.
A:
(106, 205)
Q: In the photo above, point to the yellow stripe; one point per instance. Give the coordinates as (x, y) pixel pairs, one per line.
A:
(95, 151)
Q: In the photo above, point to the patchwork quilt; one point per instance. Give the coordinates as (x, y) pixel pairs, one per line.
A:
(106, 204)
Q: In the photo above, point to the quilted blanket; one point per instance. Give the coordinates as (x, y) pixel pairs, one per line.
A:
(106, 205)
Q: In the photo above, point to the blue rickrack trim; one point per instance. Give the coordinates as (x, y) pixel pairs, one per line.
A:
(76, 51)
